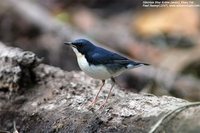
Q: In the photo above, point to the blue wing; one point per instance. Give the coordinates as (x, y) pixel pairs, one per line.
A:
(111, 59)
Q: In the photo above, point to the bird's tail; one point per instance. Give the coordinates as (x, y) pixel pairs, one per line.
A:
(146, 64)
(134, 64)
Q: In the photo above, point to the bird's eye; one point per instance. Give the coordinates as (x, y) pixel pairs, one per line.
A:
(80, 45)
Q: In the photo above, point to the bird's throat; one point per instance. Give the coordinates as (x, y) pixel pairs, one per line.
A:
(78, 54)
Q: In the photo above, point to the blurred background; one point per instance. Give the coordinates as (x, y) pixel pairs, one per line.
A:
(167, 38)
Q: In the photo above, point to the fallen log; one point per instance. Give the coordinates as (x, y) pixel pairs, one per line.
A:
(16, 67)
(56, 102)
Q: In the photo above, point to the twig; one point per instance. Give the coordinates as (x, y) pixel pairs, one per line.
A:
(173, 112)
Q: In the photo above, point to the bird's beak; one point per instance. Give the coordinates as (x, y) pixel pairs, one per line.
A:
(70, 44)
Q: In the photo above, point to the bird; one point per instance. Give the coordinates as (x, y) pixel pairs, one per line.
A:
(100, 63)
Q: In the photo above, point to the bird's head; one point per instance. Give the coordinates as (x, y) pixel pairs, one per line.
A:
(82, 45)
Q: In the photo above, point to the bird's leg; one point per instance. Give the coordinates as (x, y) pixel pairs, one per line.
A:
(113, 80)
(96, 97)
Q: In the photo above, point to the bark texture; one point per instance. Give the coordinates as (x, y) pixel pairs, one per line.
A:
(53, 100)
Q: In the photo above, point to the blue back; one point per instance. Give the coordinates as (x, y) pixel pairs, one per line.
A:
(111, 60)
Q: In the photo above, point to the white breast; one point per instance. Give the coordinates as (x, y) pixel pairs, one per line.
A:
(97, 72)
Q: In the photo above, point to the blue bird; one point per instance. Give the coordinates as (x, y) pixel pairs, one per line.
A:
(100, 63)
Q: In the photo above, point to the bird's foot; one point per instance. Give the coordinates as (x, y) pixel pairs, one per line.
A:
(102, 106)
(91, 104)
